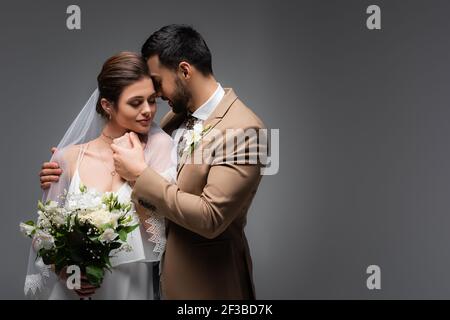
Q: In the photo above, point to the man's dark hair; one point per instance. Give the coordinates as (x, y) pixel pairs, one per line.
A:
(175, 43)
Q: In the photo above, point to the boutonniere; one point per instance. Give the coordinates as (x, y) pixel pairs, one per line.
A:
(194, 136)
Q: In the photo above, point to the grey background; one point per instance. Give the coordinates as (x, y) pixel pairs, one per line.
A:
(363, 116)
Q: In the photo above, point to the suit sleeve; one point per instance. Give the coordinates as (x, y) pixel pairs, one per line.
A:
(228, 185)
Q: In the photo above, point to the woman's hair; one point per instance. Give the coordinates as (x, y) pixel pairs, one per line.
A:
(118, 72)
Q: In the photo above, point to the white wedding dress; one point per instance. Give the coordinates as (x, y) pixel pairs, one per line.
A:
(132, 272)
(131, 276)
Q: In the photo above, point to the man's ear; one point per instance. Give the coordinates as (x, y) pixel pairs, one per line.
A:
(185, 69)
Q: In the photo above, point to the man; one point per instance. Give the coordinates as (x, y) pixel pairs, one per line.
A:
(207, 254)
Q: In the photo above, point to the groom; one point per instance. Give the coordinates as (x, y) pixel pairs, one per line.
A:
(207, 254)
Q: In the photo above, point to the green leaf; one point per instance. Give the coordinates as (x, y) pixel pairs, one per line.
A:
(83, 188)
(95, 275)
(41, 206)
(127, 207)
(108, 262)
(123, 235)
(107, 226)
(129, 229)
(206, 129)
(115, 245)
(30, 223)
(94, 239)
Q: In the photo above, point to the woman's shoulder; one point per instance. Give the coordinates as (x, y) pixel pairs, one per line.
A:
(69, 154)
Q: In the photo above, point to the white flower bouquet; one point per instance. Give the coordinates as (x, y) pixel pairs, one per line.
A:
(85, 232)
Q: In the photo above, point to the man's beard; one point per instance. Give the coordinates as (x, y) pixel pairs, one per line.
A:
(181, 97)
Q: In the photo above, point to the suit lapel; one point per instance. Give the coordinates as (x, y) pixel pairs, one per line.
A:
(171, 121)
(217, 116)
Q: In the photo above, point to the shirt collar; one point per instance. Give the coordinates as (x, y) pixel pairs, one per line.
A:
(205, 110)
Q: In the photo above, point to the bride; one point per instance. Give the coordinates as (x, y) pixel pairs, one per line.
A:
(123, 105)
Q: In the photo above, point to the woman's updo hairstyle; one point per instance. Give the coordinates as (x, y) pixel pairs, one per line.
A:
(118, 72)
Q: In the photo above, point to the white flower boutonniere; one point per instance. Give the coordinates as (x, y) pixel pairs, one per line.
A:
(194, 136)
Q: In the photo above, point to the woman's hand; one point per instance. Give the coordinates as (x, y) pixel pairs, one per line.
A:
(86, 289)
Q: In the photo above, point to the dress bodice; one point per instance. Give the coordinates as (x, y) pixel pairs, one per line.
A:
(146, 246)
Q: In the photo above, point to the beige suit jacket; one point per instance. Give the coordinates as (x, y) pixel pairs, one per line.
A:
(207, 254)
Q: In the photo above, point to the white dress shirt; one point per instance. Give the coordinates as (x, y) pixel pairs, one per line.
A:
(202, 113)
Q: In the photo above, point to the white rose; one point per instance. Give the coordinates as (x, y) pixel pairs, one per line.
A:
(101, 217)
(58, 216)
(193, 136)
(83, 201)
(26, 229)
(108, 235)
(58, 220)
(43, 240)
(51, 206)
(43, 221)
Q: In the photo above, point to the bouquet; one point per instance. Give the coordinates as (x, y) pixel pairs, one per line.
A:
(85, 231)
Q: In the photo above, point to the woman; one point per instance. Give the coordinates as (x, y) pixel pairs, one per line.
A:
(123, 104)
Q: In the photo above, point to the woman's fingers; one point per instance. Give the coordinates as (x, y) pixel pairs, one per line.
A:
(50, 172)
(87, 286)
(87, 289)
(85, 294)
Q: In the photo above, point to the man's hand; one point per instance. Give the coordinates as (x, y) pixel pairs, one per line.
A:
(123, 141)
(49, 173)
(129, 162)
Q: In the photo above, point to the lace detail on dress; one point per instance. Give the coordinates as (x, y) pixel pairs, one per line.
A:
(157, 227)
(36, 281)
(157, 231)
(33, 282)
